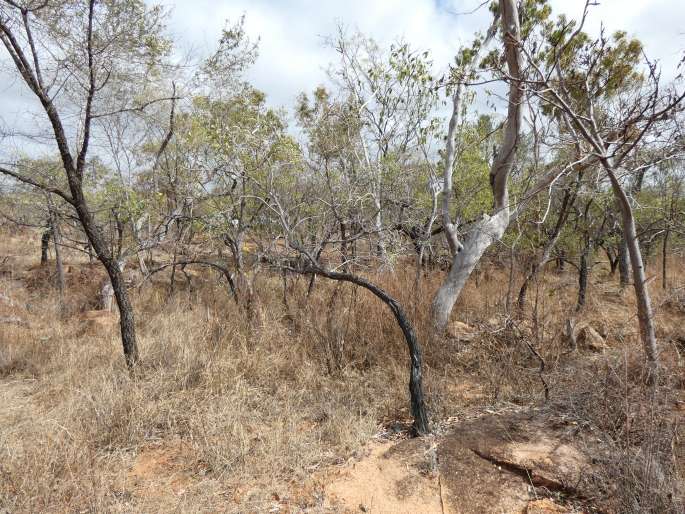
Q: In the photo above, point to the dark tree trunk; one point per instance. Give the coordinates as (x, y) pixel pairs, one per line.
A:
(286, 305)
(74, 166)
(648, 247)
(561, 261)
(567, 202)
(534, 270)
(97, 241)
(523, 292)
(45, 246)
(418, 406)
(120, 236)
(613, 259)
(583, 272)
(126, 320)
(59, 267)
(310, 287)
(623, 263)
(312, 278)
(222, 269)
(172, 279)
(343, 247)
(664, 260)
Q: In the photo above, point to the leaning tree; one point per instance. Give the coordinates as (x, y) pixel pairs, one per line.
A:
(467, 243)
(615, 108)
(85, 61)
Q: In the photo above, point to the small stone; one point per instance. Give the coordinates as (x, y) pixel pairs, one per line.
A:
(460, 331)
(590, 339)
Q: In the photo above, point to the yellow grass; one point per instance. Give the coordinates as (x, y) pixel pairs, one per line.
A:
(230, 414)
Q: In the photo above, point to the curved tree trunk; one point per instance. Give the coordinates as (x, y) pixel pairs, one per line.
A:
(421, 424)
(483, 234)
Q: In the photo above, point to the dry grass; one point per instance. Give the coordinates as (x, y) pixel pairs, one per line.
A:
(229, 414)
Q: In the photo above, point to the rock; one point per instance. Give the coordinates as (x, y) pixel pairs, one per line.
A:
(461, 331)
(494, 322)
(588, 338)
(545, 506)
(13, 320)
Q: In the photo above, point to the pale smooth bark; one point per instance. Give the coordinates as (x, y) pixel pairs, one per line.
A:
(623, 262)
(644, 304)
(483, 234)
(488, 229)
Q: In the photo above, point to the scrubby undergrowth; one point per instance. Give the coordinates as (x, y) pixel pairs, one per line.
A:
(232, 410)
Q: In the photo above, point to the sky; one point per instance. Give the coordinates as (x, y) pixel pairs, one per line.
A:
(293, 57)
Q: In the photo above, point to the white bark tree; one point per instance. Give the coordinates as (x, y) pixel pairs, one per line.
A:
(466, 250)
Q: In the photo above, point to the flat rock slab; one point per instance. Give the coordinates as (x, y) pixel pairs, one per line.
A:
(501, 463)
(498, 463)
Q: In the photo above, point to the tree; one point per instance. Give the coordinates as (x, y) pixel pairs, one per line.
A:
(89, 56)
(551, 236)
(467, 251)
(580, 78)
(302, 253)
(318, 216)
(389, 99)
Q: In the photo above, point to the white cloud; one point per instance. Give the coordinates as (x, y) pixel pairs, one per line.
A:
(292, 54)
(293, 59)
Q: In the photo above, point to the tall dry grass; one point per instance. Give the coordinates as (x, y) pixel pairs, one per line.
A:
(231, 411)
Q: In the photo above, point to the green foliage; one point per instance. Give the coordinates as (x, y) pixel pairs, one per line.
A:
(592, 69)
(472, 195)
(235, 53)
